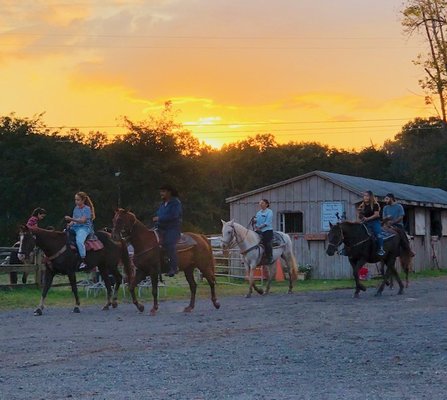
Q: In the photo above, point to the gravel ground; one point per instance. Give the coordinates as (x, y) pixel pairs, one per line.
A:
(319, 345)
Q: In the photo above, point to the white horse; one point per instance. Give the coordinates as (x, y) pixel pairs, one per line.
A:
(252, 251)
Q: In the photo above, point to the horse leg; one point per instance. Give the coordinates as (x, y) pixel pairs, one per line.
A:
(386, 277)
(49, 275)
(105, 277)
(136, 279)
(394, 272)
(74, 289)
(118, 281)
(189, 275)
(252, 285)
(208, 275)
(24, 277)
(271, 271)
(355, 271)
(154, 281)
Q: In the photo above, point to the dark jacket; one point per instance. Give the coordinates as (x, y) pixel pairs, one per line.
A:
(170, 220)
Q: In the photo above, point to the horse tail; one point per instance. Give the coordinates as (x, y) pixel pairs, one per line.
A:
(125, 259)
(211, 259)
(291, 260)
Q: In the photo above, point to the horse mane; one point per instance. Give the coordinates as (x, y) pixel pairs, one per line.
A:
(351, 223)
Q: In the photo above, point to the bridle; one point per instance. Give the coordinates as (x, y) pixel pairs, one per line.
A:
(126, 234)
(234, 238)
(342, 239)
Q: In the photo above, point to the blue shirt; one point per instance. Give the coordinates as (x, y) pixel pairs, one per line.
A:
(394, 211)
(264, 217)
(79, 213)
(170, 215)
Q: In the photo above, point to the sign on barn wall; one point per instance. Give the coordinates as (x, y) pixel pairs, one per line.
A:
(329, 210)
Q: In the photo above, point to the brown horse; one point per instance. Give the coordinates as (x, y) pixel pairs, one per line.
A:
(147, 258)
(65, 261)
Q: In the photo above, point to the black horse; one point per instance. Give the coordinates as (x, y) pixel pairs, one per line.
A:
(360, 247)
(63, 260)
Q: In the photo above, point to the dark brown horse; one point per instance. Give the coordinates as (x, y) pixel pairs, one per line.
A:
(147, 258)
(360, 249)
(65, 261)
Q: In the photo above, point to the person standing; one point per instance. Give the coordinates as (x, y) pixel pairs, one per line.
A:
(168, 221)
(264, 226)
(393, 215)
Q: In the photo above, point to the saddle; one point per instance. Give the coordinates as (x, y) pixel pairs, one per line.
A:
(92, 243)
(385, 233)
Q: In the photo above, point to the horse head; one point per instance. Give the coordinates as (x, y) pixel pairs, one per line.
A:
(27, 243)
(123, 223)
(335, 238)
(228, 233)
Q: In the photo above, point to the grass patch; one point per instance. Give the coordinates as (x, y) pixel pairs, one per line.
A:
(29, 297)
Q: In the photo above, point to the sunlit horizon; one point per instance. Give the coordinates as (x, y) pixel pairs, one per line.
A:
(338, 74)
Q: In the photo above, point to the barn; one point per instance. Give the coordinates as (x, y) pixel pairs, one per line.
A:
(304, 206)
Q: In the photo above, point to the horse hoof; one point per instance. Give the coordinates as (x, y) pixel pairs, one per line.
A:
(261, 292)
(265, 293)
(247, 296)
(114, 304)
(188, 309)
(140, 307)
(105, 308)
(153, 312)
(216, 305)
(76, 310)
(362, 288)
(400, 292)
(378, 294)
(37, 312)
(356, 296)
(289, 291)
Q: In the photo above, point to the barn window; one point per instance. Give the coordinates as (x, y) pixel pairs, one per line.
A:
(435, 223)
(291, 222)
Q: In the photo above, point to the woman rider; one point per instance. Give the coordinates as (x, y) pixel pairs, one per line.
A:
(369, 214)
(81, 223)
(264, 226)
(168, 222)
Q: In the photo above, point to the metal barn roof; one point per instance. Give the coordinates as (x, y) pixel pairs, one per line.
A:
(403, 192)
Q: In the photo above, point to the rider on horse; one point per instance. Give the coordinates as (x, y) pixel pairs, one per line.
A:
(393, 215)
(81, 223)
(369, 214)
(168, 222)
(38, 215)
(264, 226)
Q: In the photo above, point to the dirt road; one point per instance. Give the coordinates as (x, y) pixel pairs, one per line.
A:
(320, 345)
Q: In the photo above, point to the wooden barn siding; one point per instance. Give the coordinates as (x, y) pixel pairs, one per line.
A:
(306, 196)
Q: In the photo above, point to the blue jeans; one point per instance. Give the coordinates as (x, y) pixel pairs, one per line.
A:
(81, 233)
(169, 242)
(376, 228)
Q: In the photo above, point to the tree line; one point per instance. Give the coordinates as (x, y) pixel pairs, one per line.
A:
(42, 167)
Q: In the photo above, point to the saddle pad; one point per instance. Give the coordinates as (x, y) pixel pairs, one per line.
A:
(90, 245)
(278, 240)
(387, 234)
(185, 241)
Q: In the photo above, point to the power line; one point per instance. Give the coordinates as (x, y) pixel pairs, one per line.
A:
(198, 37)
(187, 125)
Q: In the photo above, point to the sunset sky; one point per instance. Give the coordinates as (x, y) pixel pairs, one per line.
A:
(337, 72)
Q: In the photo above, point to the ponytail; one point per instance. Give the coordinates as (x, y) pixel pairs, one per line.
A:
(87, 201)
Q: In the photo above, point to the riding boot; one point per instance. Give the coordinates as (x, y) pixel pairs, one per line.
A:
(83, 265)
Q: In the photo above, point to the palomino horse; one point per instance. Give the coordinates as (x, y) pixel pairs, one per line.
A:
(147, 258)
(360, 249)
(252, 252)
(65, 261)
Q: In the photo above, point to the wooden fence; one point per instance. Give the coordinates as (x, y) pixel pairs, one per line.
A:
(35, 267)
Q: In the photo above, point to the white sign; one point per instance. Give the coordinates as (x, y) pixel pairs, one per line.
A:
(329, 210)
